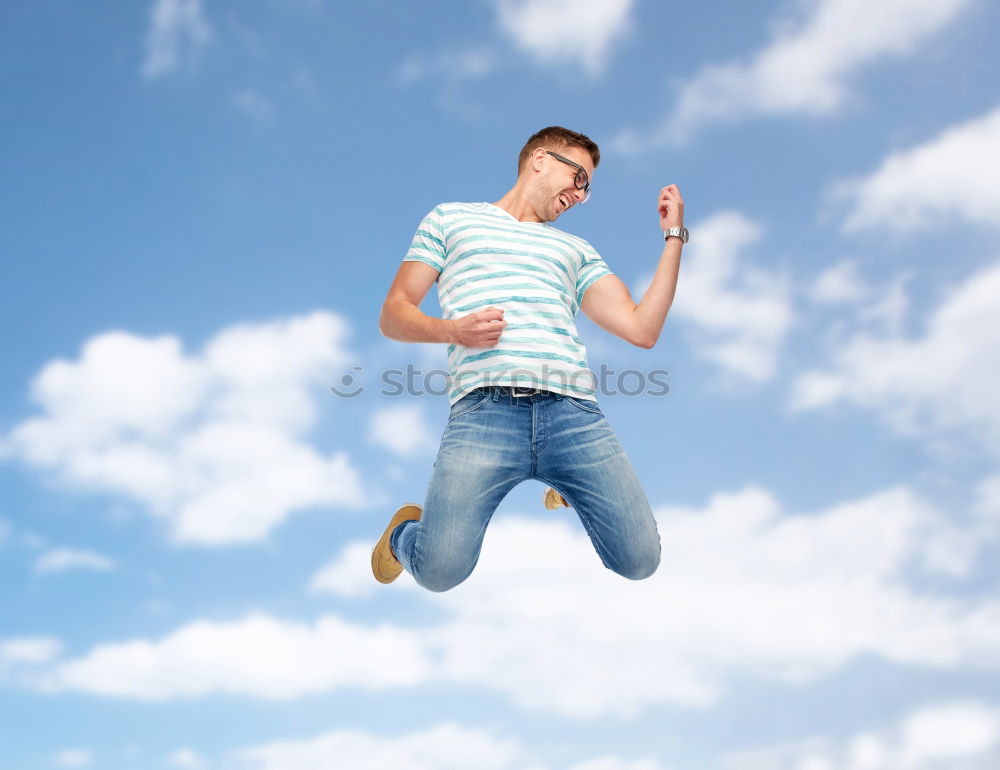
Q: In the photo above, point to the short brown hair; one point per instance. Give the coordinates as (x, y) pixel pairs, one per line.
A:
(558, 138)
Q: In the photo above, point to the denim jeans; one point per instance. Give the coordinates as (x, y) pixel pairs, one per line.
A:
(493, 442)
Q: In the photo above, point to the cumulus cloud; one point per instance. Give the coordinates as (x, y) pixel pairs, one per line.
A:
(934, 384)
(738, 313)
(839, 284)
(963, 735)
(257, 656)
(616, 763)
(887, 310)
(808, 67)
(63, 559)
(28, 650)
(212, 443)
(988, 499)
(74, 758)
(564, 32)
(441, 747)
(185, 758)
(438, 747)
(742, 591)
(745, 589)
(178, 33)
(348, 575)
(403, 430)
(928, 186)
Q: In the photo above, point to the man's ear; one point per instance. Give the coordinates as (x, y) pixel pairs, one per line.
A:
(538, 158)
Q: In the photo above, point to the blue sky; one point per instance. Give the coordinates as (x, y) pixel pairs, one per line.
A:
(202, 206)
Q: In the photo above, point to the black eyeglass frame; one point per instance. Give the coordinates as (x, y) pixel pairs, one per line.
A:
(581, 175)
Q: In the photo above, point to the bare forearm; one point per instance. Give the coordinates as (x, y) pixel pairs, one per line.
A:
(651, 312)
(608, 301)
(402, 320)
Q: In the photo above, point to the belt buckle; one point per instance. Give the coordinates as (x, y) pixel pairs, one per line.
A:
(521, 392)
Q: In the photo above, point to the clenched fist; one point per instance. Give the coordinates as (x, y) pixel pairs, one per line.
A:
(481, 329)
(671, 207)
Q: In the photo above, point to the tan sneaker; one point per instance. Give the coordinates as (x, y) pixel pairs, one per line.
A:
(553, 500)
(385, 565)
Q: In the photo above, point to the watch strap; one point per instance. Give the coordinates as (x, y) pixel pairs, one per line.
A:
(676, 232)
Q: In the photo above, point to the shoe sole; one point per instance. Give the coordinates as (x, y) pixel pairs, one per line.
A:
(385, 566)
(552, 500)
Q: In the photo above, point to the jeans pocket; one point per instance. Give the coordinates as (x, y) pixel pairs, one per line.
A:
(585, 404)
(467, 403)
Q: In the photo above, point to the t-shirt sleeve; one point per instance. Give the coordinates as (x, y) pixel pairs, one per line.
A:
(428, 242)
(593, 267)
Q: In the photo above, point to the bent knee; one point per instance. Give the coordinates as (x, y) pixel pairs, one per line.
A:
(640, 566)
(438, 584)
(441, 577)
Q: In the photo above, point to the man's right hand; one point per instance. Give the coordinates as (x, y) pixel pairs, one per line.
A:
(481, 329)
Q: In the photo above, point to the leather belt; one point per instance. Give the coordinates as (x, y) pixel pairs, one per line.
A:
(518, 392)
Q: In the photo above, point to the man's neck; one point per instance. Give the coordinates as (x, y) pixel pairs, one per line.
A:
(515, 202)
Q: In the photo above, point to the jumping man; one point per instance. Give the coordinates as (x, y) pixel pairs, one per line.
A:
(523, 399)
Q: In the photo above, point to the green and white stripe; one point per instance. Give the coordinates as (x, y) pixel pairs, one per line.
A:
(535, 273)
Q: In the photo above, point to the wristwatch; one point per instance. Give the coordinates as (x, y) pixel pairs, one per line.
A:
(679, 232)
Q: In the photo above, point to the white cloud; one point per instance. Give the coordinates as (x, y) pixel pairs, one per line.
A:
(178, 33)
(442, 747)
(744, 590)
(930, 385)
(956, 736)
(28, 650)
(987, 504)
(213, 442)
(63, 559)
(74, 758)
(949, 732)
(888, 312)
(549, 31)
(929, 186)
(839, 284)
(256, 656)
(566, 32)
(438, 747)
(808, 67)
(185, 758)
(403, 430)
(616, 763)
(739, 314)
(348, 575)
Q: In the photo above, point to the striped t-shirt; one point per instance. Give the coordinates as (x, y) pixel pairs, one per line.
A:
(533, 272)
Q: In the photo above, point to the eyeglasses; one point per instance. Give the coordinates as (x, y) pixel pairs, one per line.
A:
(581, 180)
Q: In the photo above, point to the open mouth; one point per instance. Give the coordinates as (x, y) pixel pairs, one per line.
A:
(565, 201)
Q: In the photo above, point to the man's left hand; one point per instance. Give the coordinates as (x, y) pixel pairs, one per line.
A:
(671, 207)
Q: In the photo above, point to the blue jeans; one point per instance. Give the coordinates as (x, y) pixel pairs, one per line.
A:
(493, 442)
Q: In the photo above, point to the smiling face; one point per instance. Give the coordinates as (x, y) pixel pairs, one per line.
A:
(556, 190)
